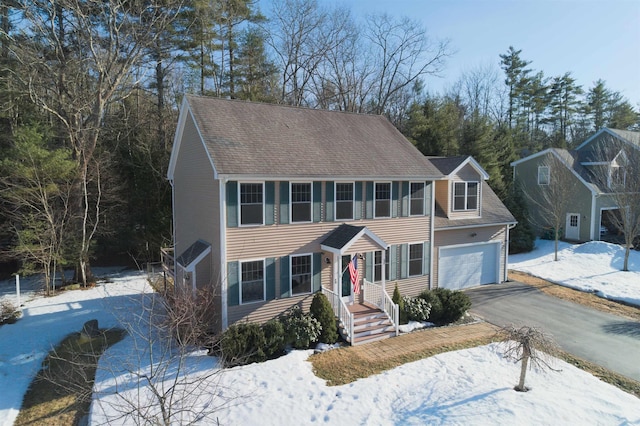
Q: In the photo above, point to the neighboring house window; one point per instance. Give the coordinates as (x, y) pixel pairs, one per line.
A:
(377, 265)
(251, 204)
(344, 201)
(415, 259)
(417, 199)
(301, 274)
(252, 281)
(465, 195)
(543, 175)
(383, 199)
(300, 202)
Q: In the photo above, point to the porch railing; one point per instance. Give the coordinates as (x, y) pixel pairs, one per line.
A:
(376, 295)
(168, 262)
(341, 311)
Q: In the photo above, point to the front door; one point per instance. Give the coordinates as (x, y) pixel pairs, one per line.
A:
(346, 279)
(572, 228)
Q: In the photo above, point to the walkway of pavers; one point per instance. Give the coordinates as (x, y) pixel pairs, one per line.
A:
(425, 339)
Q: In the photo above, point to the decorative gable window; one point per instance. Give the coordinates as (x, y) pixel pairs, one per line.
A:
(465, 196)
(301, 274)
(251, 204)
(301, 202)
(344, 201)
(543, 175)
(252, 284)
(383, 199)
(416, 204)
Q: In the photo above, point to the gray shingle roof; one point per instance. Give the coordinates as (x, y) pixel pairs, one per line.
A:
(192, 253)
(274, 140)
(493, 212)
(628, 135)
(446, 165)
(340, 236)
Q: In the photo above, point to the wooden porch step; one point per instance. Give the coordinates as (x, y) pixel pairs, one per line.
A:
(369, 324)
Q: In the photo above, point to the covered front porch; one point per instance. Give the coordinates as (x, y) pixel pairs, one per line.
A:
(365, 310)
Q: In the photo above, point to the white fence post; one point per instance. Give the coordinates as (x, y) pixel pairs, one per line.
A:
(18, 289)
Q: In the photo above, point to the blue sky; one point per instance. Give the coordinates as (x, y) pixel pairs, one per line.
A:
(592, 39)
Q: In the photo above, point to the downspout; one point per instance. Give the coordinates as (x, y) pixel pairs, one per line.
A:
(173, 232)
(431, 233)
(506, 253)
(223, 252)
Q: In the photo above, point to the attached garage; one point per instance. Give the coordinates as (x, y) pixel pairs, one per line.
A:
(464, 266)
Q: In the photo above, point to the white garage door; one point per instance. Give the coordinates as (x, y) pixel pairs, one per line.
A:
(468, 266)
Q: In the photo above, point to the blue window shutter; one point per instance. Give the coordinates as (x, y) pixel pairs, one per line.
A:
(317, 201)
(232, 204)
(233, 283)
(404, 261)
(395, 195)
(284, 202)
(316, 280)
(393, 263)
(270, 274)
(426, 258)
(329, 200)
(358, 196)
(269, 196)
(369, 207)
(405, 199)
(368, 270)
(427, 196)
(284, 276)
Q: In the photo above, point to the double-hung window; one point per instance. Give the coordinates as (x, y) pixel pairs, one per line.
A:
(344, 201)
(301, 274)
(252, 281)
(377, 265)
(300, 202)
(382, 199)
(416, 207)
(543, 175)
(415, 259)
(465, 195)
(251, 204)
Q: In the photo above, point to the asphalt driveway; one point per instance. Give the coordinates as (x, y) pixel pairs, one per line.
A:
(607, 340)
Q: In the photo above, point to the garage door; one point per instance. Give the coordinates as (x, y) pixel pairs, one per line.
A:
(468, 266)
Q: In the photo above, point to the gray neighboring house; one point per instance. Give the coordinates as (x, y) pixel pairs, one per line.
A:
(271, 203)
(591, 204)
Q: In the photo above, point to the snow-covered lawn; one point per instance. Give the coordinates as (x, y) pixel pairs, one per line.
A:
(472, 386)
(594, 266)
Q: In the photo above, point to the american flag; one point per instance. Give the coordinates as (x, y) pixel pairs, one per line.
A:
(353, 272)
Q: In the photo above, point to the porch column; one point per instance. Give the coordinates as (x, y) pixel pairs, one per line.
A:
(384, 268)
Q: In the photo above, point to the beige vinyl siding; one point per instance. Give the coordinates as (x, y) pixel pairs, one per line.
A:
(442, 195)
(411, 287)
(264, 311)
(282, 240)
(196, 199)
(463, 236)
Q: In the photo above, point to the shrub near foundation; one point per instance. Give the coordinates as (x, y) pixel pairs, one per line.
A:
(322, 311)
(242, 344)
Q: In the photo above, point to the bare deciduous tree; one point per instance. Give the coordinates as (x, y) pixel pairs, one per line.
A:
(553, 195)
(80, 61)
(619, 176)
(529, 346)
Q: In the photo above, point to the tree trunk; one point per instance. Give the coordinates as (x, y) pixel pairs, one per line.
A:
(523, 372)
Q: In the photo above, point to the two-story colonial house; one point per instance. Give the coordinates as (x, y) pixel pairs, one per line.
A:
(271, 203)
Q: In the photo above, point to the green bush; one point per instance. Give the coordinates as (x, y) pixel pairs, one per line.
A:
(301, 329)
(435, 315)
(416, 308)
(275, 338)
(454, 304)
(322, 311)
(398, 300)
(242, 344)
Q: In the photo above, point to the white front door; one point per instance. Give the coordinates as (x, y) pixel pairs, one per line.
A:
(572, 227)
